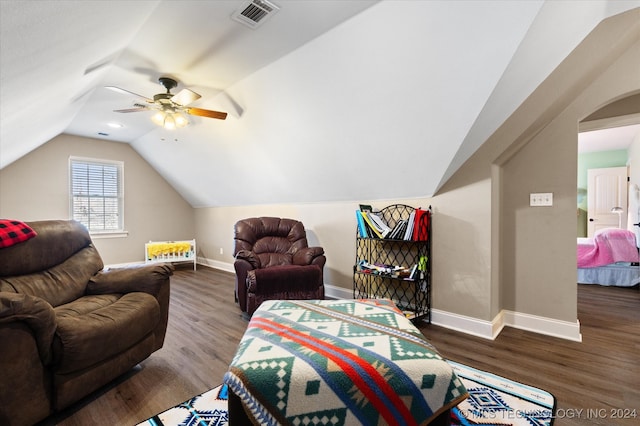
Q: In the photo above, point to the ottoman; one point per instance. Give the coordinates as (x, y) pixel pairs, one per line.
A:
(338, 362)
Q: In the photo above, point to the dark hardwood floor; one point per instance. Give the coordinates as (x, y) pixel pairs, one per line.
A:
(594, 381)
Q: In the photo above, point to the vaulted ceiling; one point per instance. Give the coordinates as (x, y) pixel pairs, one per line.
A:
(327, 100)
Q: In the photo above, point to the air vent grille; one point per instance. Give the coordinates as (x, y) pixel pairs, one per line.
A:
(255, 12)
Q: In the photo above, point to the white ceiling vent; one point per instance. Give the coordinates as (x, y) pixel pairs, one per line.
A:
(254, 13)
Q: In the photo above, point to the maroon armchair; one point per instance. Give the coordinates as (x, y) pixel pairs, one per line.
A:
(273, 261)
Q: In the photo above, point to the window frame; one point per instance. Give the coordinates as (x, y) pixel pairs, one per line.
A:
(119, 167)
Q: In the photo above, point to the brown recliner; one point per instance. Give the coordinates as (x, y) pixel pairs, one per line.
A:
(68, 327)
(273, 261)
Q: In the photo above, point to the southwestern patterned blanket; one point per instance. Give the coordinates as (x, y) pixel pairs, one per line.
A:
(340, 362)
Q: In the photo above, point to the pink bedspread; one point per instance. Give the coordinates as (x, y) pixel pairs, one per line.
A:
(607, 246)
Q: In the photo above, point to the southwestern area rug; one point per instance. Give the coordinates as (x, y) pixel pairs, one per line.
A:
(493, 400)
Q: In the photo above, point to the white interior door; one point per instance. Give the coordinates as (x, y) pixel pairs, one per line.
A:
(606, 188)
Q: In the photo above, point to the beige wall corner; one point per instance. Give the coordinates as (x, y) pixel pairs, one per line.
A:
(36, 187)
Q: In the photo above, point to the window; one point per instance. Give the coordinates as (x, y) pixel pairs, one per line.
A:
(96, 194)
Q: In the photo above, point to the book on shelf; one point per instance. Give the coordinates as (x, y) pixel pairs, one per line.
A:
(409, 231)
(398, 231)
(374, 232)
(362, 227)
(380, 224)
(421, 225)
(414, 272)
(377, 225)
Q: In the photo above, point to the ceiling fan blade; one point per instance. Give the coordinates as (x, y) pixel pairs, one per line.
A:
(185, 97)
(127, 92)
(206, 113)
(132, 109)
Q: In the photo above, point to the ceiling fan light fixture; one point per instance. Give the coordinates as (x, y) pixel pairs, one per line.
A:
(170, 110)
(180, 120)
(170, 120)
(158, 118)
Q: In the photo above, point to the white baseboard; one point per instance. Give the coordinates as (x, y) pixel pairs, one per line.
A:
(224, 266)
(542, 325)
(335, 292)
(465, 324)
(491, 329)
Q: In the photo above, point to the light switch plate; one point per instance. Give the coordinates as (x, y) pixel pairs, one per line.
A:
(541, 199)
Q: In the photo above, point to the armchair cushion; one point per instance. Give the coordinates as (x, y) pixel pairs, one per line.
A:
(94, 328)
(58, 284)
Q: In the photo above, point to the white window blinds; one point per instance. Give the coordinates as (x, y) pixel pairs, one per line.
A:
(96, 194)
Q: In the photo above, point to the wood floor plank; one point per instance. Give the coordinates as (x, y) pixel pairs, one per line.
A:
(601, 374)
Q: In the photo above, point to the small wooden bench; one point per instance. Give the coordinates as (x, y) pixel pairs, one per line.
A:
(170, 252)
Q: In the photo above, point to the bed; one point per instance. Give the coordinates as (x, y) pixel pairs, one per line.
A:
(611, 257)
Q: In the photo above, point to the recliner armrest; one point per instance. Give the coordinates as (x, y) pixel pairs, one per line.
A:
(36, 313)
(250, 257)
(145, 278)
(305, 256)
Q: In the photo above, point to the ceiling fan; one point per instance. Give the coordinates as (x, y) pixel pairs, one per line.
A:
(169, 107)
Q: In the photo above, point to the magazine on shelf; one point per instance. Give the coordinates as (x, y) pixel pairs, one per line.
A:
(379, 228)
(375, 231)
(393, 271)
(380, 224)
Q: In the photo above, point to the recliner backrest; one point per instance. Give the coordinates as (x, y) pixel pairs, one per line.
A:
(274, 240)
(56, 265)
